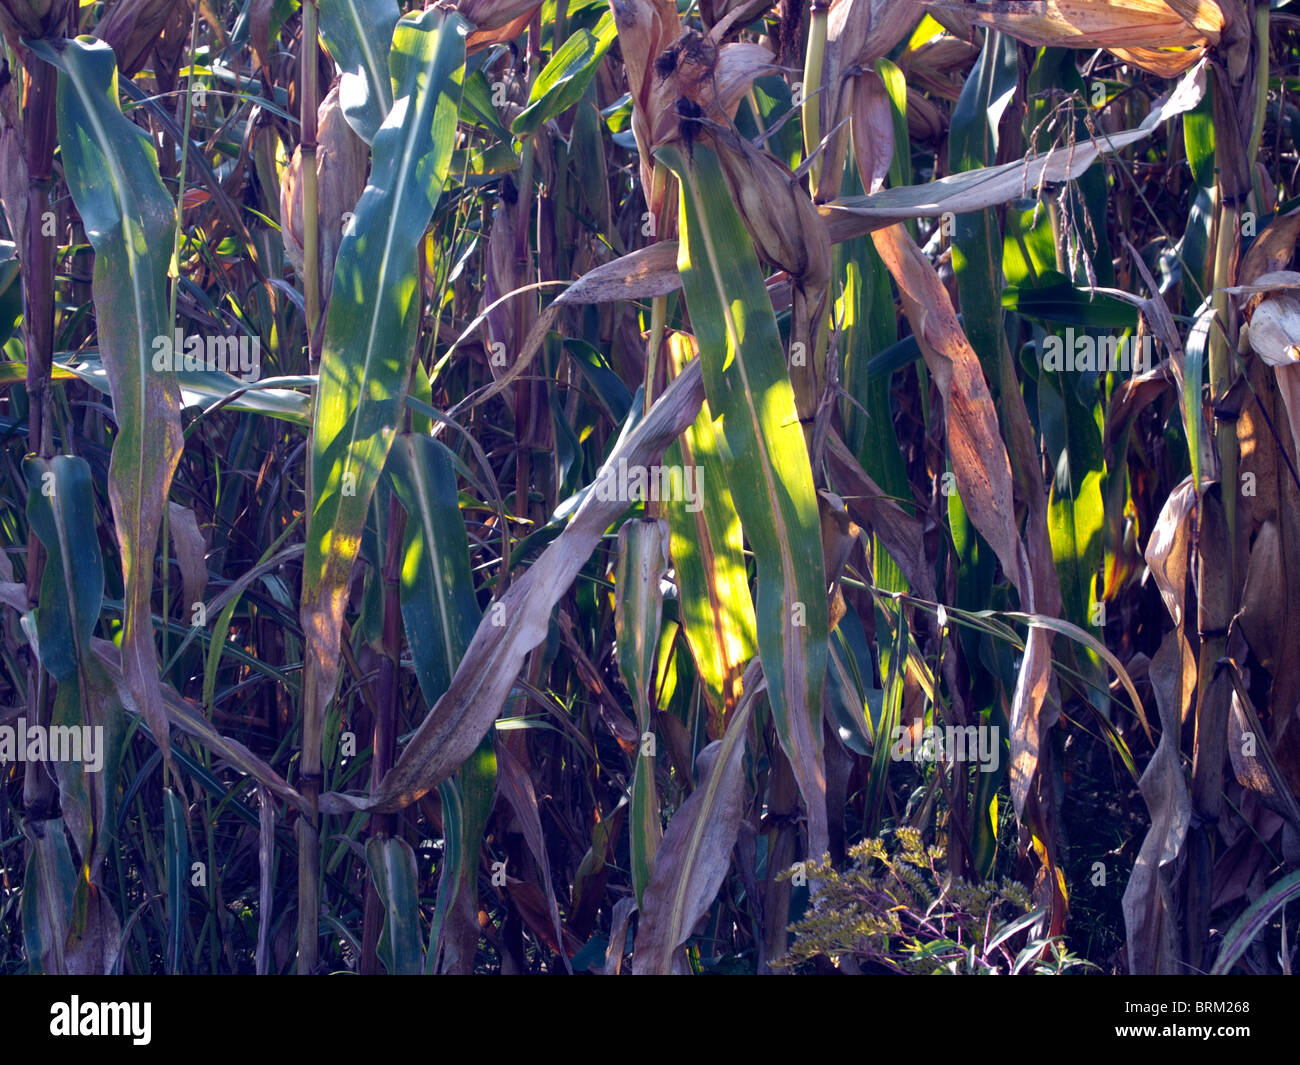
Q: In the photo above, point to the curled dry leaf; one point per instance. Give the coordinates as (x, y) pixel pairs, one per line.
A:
(646, 29)
(191, 552)
(481, 39)
(974, 190)
(979, 457)
(696, 850)
(622, 917)
(516, 787)
(94, 942)
(1150, 916)
(1252, 758)
(723, 17)
(1168, 549)
(891, 21)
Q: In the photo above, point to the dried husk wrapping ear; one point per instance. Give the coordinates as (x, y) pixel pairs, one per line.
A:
(714, 79)
(873, 130)
(341, 165)
(858, 32)
(1274, 334)
(130, 28)
(13, 165)
(938, 66)
(778, 214)
(493, 14)
(33, 19)
(646, 28)
(925, 122)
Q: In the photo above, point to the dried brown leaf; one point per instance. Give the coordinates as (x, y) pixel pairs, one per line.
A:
(695, 854)
(1126, 27)
(1150, 915)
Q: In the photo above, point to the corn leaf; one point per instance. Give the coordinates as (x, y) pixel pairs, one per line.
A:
(358, 34)
(371, 328)
(112, 173)
(765, 459)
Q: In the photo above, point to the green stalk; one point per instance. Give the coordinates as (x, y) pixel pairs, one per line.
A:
(812, 79)
(659, 308)
(1220, 366)
(1262, 11)
(174, 271)
(308, 829)
(310, 199)
(658, 321)
(39, 128)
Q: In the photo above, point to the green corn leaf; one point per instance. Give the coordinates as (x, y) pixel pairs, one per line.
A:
(565, 78)
(708, 553)
(1250, 924)
(358, 34)
(1075, 511)
(1063, 303)
(61, 511)
(765, 459)
(176, 842)
(1196, 355)
(273, 396)
(112, 172)
(440, 614)
(437, 588)
(370, 331)
(467, 802)
(973, 142)
(638, 609)
(49, 884)
(891, 712)
(396, 879)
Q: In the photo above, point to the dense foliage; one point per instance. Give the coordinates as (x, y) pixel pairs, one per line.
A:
(644, 486)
